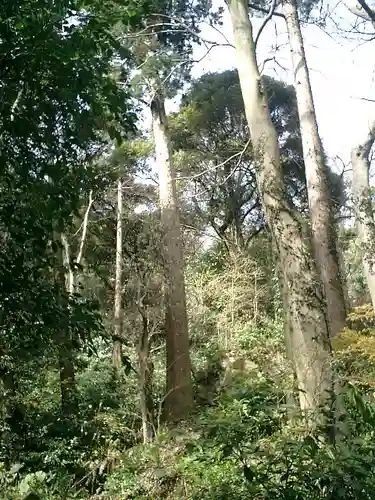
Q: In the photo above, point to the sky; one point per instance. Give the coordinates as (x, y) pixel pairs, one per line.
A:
(342, 71)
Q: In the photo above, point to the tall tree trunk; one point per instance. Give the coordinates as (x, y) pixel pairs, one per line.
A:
(64, 340)
(323, 228)
(179, 396)
(291, 399)
(117, 345)
(363, 207)
(145, 382)
(309, 329)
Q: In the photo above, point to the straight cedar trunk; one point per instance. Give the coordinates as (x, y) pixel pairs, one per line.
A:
(363, 207)
(117, 345)
(323, 228)
(179, 395)
(64, 341)
(309, 336)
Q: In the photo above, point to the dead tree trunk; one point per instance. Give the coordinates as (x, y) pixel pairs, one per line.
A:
(117, 345)
(64, 339)
(363, 207)
(179, 396)
(323, 228)
(309, 329)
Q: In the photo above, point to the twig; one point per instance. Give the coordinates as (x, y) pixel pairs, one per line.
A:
(220, 33)
(362, 98)
(189, 30)
(236, 165)
(210, 169)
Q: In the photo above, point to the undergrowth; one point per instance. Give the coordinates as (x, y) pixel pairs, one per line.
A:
(243, 441)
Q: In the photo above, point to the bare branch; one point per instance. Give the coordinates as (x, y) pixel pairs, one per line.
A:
(363, 99)
(265, 11)
(84, 229)
(367, 9)
(220, 33)
(215, 167)
(189, 30)
(265, 21)
(16, 102)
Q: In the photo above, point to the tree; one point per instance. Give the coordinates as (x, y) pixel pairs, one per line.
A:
(59, 106)
(214, 156)
(321, 213)
(309, 332)
(164, 54)
(363, 206)
(179, 388)
(117, 343)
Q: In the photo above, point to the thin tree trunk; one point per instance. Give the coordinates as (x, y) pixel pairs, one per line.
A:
(69, 275)
(179, 396)
(363, 207)
(64, 340)
(343, 273)
(84, 229)
(117, 345)
(145, 383)
(323, 228)
(309, 329)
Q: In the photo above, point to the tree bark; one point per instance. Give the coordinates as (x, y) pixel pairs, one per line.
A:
(309, 329)
(363, 207)
(64, 340)
(145, 382)
(117, 345)
(179, 396)
(321, 214)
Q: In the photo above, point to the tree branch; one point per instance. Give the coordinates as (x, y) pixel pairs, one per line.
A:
(16, 102)
(367, 9)
(363, 149)
(84, 229)
(265, 11)
(215, 167)
(265, 21)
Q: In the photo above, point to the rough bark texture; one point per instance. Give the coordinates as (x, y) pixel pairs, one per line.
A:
(179, 397)
(117, 345)
(363, 207)
(323, 229)
(309, 329)
(291, 400)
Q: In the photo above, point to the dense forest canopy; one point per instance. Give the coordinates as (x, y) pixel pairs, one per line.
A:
(186, 301)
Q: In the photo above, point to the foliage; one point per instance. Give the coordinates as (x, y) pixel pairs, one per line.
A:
(242, 447)
(214, 157)
(362, 319)
(64, 100)
(355, 347)
(60, 105)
